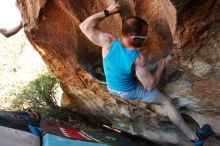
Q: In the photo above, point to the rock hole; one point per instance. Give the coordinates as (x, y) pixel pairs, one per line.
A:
(175, 76)
(98, 74)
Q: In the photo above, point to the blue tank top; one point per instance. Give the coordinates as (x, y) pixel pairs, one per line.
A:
(118, 67)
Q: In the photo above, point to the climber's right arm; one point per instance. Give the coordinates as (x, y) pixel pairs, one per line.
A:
(148, 80)
(90, 27)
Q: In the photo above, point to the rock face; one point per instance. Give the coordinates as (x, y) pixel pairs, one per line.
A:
(193, 75)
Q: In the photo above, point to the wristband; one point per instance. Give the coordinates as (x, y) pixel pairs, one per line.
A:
(106, 12)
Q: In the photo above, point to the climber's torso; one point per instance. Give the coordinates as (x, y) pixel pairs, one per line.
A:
(118, 62)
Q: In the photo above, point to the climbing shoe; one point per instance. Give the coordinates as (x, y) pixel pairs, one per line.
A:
(198, 143)
(203, 133)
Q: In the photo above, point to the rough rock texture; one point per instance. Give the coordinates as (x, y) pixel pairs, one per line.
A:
(193, 76)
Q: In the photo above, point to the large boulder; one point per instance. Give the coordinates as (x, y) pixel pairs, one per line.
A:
(191, 34)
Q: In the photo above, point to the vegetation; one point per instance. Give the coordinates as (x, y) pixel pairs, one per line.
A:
(38, 95)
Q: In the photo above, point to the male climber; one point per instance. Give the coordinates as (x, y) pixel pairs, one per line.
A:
(125, 67)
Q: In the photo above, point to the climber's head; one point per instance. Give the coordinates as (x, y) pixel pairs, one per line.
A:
(134, 30)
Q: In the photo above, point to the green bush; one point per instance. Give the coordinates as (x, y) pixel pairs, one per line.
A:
(38, 95)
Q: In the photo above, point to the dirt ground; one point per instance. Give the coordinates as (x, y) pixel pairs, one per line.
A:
(19, 64)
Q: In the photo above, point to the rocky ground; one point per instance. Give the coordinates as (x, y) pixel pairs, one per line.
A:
(19, 64)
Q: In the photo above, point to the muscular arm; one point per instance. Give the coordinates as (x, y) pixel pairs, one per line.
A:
(148, 80)
(10, 32)
(90, 27)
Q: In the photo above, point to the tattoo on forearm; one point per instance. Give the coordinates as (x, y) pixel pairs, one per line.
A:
(143, 63)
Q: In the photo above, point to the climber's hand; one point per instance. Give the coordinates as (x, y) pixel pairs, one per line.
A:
(3, 31)
(113, 8)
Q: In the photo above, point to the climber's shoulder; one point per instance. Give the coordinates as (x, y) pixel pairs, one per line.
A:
(107, 45)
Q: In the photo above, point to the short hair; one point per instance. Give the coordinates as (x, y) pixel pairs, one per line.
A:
(133, 24)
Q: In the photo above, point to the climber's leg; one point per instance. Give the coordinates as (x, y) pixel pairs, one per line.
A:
(174, 115)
